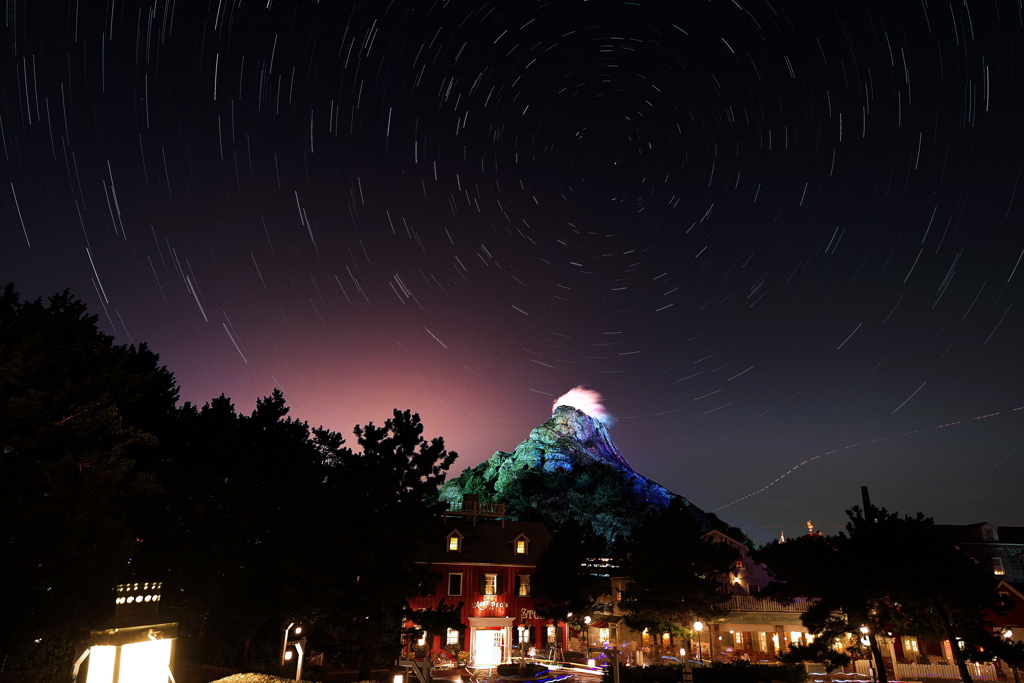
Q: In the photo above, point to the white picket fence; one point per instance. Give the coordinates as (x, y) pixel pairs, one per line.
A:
(979, 672)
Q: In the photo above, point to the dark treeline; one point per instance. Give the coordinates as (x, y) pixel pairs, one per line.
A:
(255, 520)
(251, 520)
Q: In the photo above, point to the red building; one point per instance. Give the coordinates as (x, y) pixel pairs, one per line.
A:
(486, 563)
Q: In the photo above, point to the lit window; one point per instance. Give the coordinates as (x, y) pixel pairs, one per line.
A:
(452, 637)
(520, 547)
(997, 566)
(910, 645)
(738, 636)
(454, 543)
(455, 584)
(490, 584)
(524, 585)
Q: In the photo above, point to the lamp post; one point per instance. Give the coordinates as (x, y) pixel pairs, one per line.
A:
(865, 640)
(135, 645)
(298, 641)
(1008, 634)
(698, 627)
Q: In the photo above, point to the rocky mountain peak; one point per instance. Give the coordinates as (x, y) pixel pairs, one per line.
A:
(570, 438)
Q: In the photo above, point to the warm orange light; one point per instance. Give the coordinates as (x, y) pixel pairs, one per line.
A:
(145, 662)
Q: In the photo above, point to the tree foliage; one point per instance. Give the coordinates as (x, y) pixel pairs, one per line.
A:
(566, 583)
(76, 412)
(252, 521)
(886, 573)
(676, 573)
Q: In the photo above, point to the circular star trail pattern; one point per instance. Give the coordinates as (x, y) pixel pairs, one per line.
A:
(783, 240)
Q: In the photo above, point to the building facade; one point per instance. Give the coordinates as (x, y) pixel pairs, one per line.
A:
(755, 629)
(999, 547)
(486, 563)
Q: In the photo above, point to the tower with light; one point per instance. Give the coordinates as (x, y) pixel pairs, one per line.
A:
(135, 645)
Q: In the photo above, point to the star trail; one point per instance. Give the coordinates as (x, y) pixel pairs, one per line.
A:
(783, 240)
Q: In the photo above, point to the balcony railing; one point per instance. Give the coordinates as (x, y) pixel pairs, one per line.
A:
(753, 603)
(473, 509)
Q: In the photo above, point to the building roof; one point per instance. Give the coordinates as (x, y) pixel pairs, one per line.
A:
(974, 533)
(486, 542)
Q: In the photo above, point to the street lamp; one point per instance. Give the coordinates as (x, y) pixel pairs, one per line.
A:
(298, 641)
(1008, 634)
(698, 627)
(135, 645)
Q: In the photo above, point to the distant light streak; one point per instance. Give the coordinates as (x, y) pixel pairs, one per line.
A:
(872, 441)
(987, 339)
(23, 229)
(744, 372)
(191, 288)
(283, 391)
(1005, 457)
(435, 338)
(909, 397)
(235, 343)
(98, 281)
(851, 334)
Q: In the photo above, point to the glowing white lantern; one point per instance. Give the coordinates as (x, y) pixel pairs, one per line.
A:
(135, 645)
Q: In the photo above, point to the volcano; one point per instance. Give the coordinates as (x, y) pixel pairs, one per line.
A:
(569, 469)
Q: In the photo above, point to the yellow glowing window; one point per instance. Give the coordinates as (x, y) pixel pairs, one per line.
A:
(520, 547)
(997, 566)
(453, 543)
(910, 645)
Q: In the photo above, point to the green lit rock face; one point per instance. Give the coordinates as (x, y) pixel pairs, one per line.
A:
(568, 469)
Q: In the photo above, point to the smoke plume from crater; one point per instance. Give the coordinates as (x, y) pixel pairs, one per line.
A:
(586, 400)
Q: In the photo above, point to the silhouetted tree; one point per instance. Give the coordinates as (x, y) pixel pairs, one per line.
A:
(886, 573)
(76, 413)
(676, 574)
(390, 490)
(243, 505)
(566, 584)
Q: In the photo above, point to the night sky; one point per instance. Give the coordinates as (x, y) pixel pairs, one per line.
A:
(784, 240)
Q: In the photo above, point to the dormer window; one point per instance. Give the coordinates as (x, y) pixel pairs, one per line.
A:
(990, 533)
(453, 543)
(521, 546)
(997, 566)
